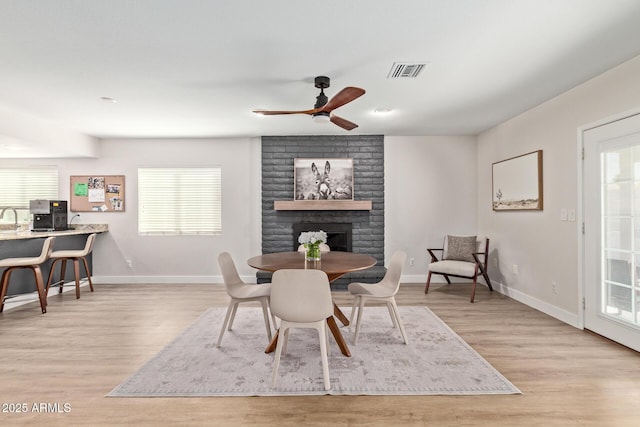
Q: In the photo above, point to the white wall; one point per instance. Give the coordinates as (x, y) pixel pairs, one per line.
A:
(545, 248)
(430, 191)
(177, 259)
(34, 136)
(429, 188)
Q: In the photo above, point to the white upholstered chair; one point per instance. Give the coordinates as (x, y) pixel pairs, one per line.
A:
(385, 290)
(242, 292)
(462, 256)
(75, 256)
(301, 299)
(34, 263)
(323, 248)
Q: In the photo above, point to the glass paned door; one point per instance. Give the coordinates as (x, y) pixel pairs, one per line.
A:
(611, 196)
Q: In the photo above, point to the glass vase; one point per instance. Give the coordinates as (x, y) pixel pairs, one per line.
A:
(313, 251)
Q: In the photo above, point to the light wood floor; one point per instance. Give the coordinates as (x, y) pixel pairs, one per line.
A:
(81, 349)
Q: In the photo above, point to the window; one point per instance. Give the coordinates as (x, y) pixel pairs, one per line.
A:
(19, 185)
(179, 201)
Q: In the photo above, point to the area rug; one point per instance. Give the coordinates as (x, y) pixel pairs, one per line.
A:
(435, 362)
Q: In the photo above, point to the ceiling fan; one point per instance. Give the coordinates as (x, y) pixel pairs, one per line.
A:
(322, 110)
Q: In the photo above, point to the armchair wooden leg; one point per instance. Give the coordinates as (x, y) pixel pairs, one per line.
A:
(486, 279)
(473, 288)
(426, 288)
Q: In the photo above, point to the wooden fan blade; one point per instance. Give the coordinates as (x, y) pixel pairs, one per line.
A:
(274, 113)
(345, 96)
(343, 123)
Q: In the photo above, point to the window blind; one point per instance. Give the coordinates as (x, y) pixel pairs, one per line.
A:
(19, 185)
(179, 201)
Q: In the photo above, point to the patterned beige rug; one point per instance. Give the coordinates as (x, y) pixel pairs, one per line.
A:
(436, 361)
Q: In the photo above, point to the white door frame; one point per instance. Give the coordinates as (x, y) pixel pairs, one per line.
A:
(580, 222)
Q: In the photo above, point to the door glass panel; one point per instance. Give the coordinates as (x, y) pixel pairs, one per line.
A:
(617, 199)
(636, 198)
(620, 197)
(618, 267)
(618, 233)
(618, 301)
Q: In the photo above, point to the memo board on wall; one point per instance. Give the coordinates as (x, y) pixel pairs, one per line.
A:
(97, 193)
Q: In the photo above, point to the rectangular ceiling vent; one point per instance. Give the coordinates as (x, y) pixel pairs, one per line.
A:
(405, 70)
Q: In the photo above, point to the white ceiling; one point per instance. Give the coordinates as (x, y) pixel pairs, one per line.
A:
(196, 68)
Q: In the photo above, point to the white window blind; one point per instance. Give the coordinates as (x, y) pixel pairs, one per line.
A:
(179, 201)
(19, 185)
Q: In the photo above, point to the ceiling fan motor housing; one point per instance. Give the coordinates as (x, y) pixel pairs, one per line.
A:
(321, 100)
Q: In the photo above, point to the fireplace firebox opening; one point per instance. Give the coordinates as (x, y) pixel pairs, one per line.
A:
(339, 235)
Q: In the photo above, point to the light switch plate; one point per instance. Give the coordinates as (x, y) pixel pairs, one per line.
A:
(572, 214)
(563, 214)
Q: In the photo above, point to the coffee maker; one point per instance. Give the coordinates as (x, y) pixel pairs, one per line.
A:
(48, 215)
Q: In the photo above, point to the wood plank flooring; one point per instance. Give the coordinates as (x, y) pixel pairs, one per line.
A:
(81, 349)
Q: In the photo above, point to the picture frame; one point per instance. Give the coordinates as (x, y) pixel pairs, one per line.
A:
(517, 183)
(323, 179)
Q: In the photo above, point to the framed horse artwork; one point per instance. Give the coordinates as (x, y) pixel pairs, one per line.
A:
(323, 179)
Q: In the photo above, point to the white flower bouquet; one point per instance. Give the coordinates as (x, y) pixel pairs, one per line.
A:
(312, 237)
(311, 241)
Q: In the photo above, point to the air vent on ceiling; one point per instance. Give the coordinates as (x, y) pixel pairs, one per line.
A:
(405, 70)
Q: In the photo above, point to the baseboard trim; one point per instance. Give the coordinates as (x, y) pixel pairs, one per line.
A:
(550, 309)
(174, 280)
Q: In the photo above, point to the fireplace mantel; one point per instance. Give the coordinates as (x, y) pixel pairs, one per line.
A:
(322, 205)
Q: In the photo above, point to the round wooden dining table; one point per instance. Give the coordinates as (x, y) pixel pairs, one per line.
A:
(334, 263)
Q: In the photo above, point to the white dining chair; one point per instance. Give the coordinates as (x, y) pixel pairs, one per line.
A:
(242, 292)
(301, 299)
(385, 290)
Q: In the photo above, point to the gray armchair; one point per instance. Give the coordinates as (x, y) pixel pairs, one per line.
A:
(461, 256)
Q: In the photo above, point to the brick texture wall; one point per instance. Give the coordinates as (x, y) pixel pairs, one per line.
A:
(367, 152)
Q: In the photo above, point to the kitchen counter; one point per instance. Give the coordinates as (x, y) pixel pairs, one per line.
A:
(16, 244)
(75, 229)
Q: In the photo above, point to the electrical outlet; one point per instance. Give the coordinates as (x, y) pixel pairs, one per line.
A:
(554, 287)
(514, 268)
(412, 261)
(129, 263)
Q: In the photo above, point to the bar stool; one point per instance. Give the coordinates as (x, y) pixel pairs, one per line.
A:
(34, 264)
(75, 256)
